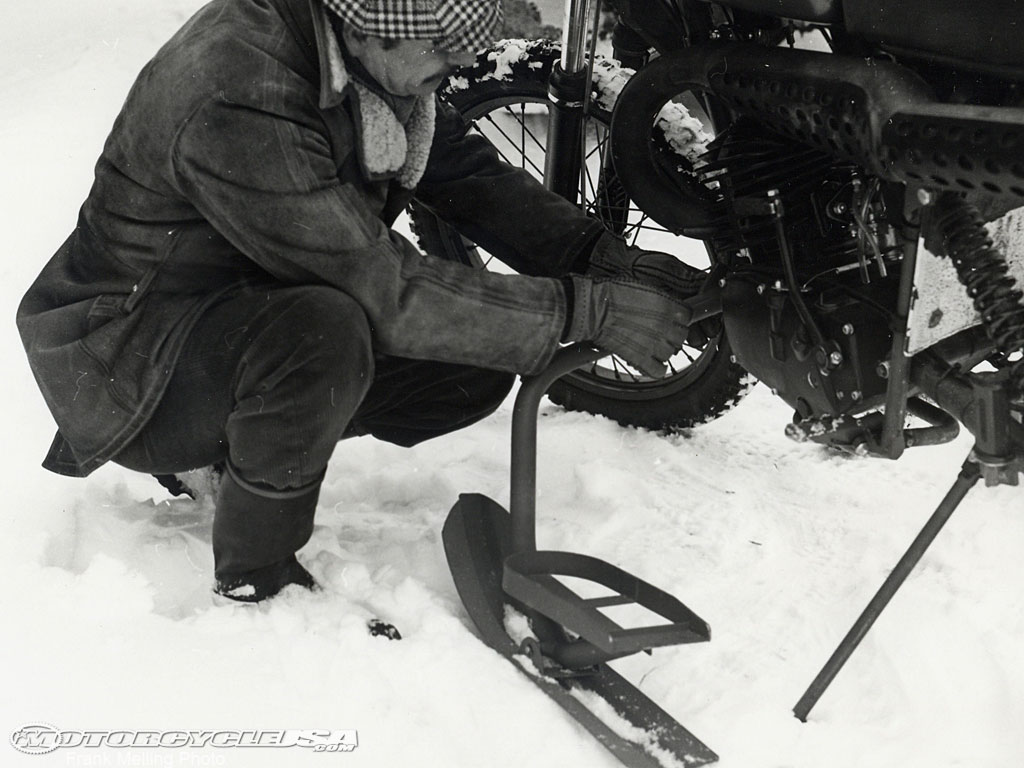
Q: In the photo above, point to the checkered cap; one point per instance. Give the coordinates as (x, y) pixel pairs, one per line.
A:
(461, 25)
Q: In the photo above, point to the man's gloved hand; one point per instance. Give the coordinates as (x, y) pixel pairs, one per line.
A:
(643, 325)
(611, 257)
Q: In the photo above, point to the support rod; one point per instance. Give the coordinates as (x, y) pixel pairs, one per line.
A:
(968, 476)
(523, 494)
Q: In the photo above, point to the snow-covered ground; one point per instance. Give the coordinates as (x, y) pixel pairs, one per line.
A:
(107, 621)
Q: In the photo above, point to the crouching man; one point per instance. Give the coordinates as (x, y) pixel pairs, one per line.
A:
(233, 293)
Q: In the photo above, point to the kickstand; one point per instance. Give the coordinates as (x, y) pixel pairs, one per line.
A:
(969, 475)
(994, 458)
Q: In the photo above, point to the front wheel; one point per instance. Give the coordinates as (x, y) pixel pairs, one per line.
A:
(505, 98)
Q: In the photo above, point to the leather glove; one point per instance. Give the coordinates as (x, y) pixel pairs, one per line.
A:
(611, 257)
(641, 324)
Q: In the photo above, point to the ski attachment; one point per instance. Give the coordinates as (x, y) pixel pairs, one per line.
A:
(640, 733)
(494, 561)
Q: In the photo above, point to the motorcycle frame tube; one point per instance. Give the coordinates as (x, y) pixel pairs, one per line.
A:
(893, 441)
(942, 427)
(953, 392)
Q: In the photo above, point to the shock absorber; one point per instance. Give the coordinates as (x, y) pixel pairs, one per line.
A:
(983, 270)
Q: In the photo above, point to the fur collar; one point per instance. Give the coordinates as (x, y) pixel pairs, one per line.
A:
(385, 146)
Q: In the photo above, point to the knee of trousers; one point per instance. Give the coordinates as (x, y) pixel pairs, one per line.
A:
(315, 333)
(308, 365)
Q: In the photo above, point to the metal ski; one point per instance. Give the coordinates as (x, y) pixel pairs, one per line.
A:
(495, 564)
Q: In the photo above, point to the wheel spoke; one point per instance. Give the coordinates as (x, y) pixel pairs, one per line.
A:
(522, 131)
(634, 230)
(588, 189)
(499, 129)
(621, 367)
(596, 149)
(497, 149)
(648, 227)
(616, 369)
(542, 146)
(688, 356)
(599, 145)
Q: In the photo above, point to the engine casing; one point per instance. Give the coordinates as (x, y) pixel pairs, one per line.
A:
(769, 340)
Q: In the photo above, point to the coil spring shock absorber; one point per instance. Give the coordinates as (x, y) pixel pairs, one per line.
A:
(984, 272)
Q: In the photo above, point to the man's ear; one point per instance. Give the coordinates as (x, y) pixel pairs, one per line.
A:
(354, 43)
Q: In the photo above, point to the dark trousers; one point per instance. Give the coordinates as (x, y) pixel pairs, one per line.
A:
(268, 383)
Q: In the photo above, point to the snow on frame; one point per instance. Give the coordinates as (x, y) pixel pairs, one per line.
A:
(108, 622)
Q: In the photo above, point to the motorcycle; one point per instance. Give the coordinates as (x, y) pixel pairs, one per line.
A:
(845, 184)
(831, 160)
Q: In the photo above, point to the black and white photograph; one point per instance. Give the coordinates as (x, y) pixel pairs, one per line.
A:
(505, 383)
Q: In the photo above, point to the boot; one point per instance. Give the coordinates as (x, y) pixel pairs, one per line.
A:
(256, 532)
(261, 583)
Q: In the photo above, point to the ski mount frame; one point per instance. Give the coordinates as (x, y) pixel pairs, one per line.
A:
(496, 565)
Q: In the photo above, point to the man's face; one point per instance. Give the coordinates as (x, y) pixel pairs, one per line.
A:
(411, 68)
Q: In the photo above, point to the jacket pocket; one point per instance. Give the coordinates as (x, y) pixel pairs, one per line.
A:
(141, 288)
(109, 306)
